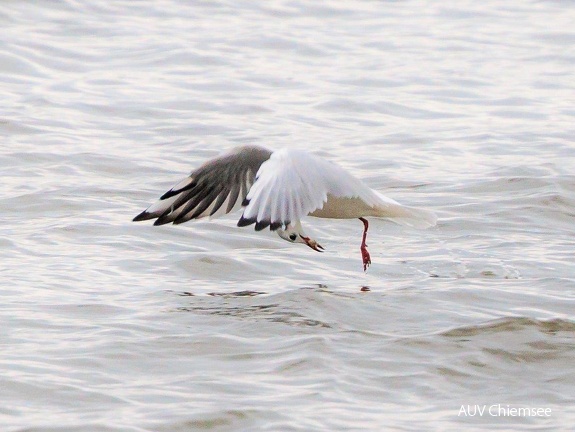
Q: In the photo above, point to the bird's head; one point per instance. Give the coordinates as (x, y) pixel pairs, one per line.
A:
(295, 234)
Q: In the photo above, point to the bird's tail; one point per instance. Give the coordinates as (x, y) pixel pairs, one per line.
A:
(405, 215)
(414, 217)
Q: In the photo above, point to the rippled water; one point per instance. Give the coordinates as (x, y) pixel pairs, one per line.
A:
(466, 108)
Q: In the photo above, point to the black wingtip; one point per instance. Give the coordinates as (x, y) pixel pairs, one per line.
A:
(142, 217)
(173, 192)
(162, 221)
(260, 225)
(245, 202)
(246, 221)
(275, 225)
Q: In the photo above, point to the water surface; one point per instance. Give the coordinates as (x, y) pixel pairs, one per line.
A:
(465, 109)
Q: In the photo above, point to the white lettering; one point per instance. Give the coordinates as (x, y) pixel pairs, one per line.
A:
(472, 410)
(498, 410)
(526, 412)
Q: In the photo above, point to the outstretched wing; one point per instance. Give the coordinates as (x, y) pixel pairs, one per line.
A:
(215, 188)
(292, 184)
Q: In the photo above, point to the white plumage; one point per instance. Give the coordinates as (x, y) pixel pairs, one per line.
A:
(277, 189)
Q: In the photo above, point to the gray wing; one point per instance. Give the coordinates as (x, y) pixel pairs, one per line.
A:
(217, 187)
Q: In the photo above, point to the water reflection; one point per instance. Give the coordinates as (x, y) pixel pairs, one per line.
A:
(303, 306)
(272, 312)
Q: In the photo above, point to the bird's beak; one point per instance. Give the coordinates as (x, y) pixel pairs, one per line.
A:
(312, 244)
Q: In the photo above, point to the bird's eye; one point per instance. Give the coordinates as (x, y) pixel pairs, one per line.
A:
(292, 237)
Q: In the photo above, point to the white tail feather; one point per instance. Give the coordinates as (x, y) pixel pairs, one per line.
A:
(404, 215)
(414, 217)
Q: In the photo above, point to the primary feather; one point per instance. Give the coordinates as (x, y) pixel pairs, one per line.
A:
(217, 187)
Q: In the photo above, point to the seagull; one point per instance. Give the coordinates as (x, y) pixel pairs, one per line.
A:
(276, 189)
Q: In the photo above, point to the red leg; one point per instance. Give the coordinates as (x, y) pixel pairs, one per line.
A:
(364, 253)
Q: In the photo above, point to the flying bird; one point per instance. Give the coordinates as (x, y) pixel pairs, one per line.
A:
(276, 189)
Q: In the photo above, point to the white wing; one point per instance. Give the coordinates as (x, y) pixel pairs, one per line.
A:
(292, 183)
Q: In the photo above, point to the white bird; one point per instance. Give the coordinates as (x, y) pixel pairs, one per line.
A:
(276, 190)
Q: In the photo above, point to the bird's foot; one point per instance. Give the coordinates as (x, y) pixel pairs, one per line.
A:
(365, 257)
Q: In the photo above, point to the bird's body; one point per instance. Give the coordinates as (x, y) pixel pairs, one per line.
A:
(276, 190)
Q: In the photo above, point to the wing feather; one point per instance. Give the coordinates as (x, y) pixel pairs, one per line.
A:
(220, 201)
(225, 179)
(292, 184)
(236, 188)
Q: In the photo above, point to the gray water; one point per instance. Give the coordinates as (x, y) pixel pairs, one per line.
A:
(466, 108)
